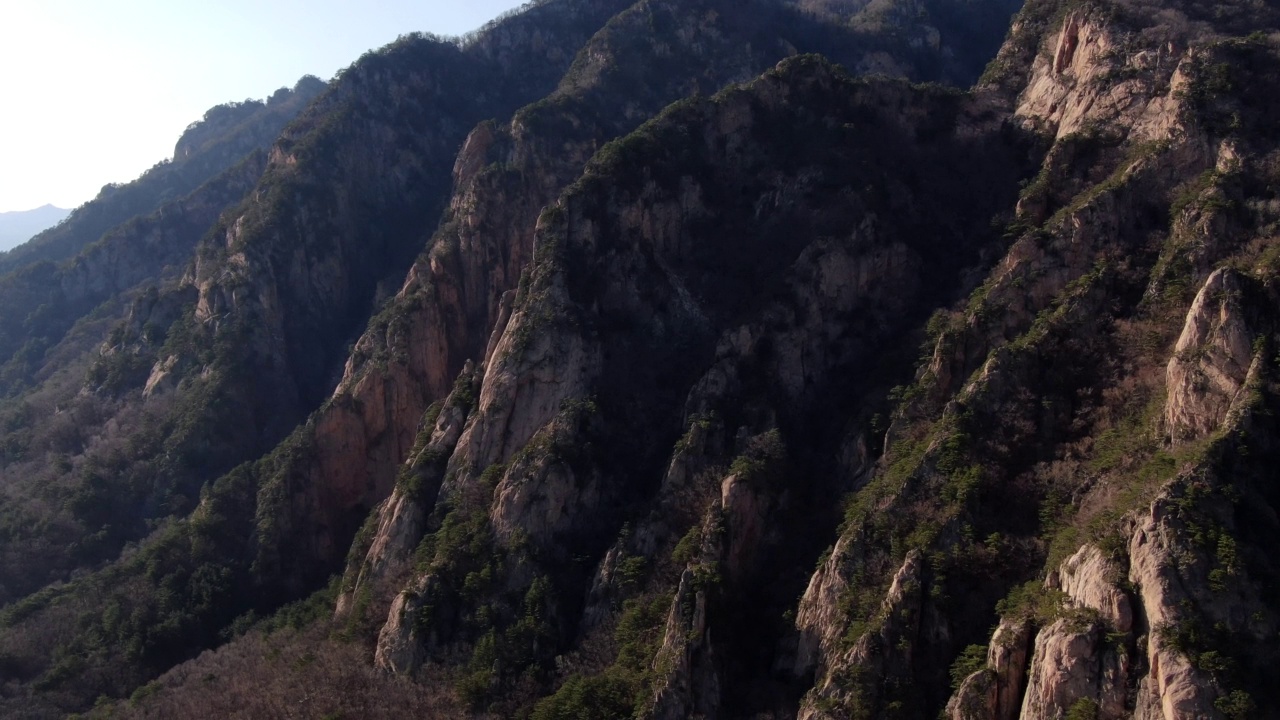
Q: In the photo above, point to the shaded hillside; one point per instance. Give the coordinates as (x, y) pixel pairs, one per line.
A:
(950, 41)
(631, 329)
(53, 317)
(44, 300)
(99, 460)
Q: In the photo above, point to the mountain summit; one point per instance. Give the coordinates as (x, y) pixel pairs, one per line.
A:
(672, 359)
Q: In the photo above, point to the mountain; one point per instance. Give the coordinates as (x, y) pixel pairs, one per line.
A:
(667, 359)
(19, 226)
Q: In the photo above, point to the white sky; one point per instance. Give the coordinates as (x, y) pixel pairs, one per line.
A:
(97, 91)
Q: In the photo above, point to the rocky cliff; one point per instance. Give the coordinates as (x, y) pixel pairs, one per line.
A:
(554, 435)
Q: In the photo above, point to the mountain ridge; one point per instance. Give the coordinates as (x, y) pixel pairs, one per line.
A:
(256, 123)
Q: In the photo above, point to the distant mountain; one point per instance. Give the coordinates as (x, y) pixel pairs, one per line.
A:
(19, 226)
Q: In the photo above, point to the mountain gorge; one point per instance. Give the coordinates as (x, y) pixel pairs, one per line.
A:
(666, 359)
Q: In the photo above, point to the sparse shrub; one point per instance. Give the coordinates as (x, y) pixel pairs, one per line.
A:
(1236, 705)
(972, 659)
(1083, 709)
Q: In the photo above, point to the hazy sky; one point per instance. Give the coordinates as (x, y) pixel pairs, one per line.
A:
(97, 91)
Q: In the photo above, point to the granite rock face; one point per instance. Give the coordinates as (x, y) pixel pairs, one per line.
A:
(1211, 360)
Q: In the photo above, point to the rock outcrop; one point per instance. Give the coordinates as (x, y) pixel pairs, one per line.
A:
(1211, 360)
(401, 648)
(687, 683)
(1094, 76)
(1077, 660)
(881, 657)
(995, 692)
(1174, 684)
(1089, 580)
(401, 518)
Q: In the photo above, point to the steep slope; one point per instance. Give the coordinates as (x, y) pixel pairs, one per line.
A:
(101, 250)
(950, 41)
(1045, 427)
(632, 326)
(443, 315)
(982, 481)
(446, 312)
(59, 446)
(66, 502)
(42, 301)
(349, 197)
(153, 452)
(416, 344)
